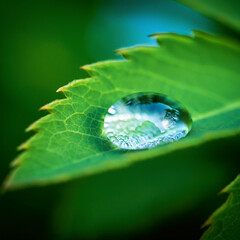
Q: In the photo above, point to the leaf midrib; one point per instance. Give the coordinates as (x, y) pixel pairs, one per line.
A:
(217, 111)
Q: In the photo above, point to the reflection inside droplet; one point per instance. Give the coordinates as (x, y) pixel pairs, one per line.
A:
(145, 120)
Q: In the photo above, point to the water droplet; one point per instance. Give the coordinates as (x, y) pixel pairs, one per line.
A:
(145, 120)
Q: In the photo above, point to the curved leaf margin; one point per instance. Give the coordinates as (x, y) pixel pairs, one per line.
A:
(82, 87)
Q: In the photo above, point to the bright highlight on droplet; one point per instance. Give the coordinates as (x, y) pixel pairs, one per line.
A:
(145, 120)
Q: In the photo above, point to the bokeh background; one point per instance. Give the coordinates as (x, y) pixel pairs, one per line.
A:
(43, 44)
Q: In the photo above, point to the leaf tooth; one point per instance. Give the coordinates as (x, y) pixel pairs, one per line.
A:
(233, 186)
(164, 37)
(23, 146)
(35, 126)
(7, 182)
(132, 53)
(61, 89)
(17, 161)
(89, 69)
(123, 52)
(67, 89)
(224, 190)
(29, 143)
(32, 127)
(207, 223)
(86, 67)
(64, 89)
(211, 219)
(78, 82)
(126, 52)
(94, 70)
(48, 107)
(52, 105)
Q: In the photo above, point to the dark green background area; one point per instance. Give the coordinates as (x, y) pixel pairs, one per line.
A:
(43, 44)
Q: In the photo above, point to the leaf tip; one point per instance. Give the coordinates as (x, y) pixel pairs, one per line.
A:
(6, 184)
(168, 36)
(121, 51)
(126, 52)
(34, 126)
(16, 162)
(153, 35)
(206, 223)
(46, 107)
(23, 146)
(30, 128)
(90, 68)
(61, 89)
(86, 67)
(224, 190)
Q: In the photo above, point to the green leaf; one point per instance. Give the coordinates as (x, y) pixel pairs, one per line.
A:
(146, 194)
(225, 222)
(226, 12)
(201, 72)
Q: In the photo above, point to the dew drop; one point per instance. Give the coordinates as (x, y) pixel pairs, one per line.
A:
(145, 120)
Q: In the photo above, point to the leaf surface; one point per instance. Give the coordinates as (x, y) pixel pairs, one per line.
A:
(226, 12)
(148, 194)
(201, 72)
(225, 221)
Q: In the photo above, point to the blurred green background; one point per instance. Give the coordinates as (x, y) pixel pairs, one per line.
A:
(43, 44)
